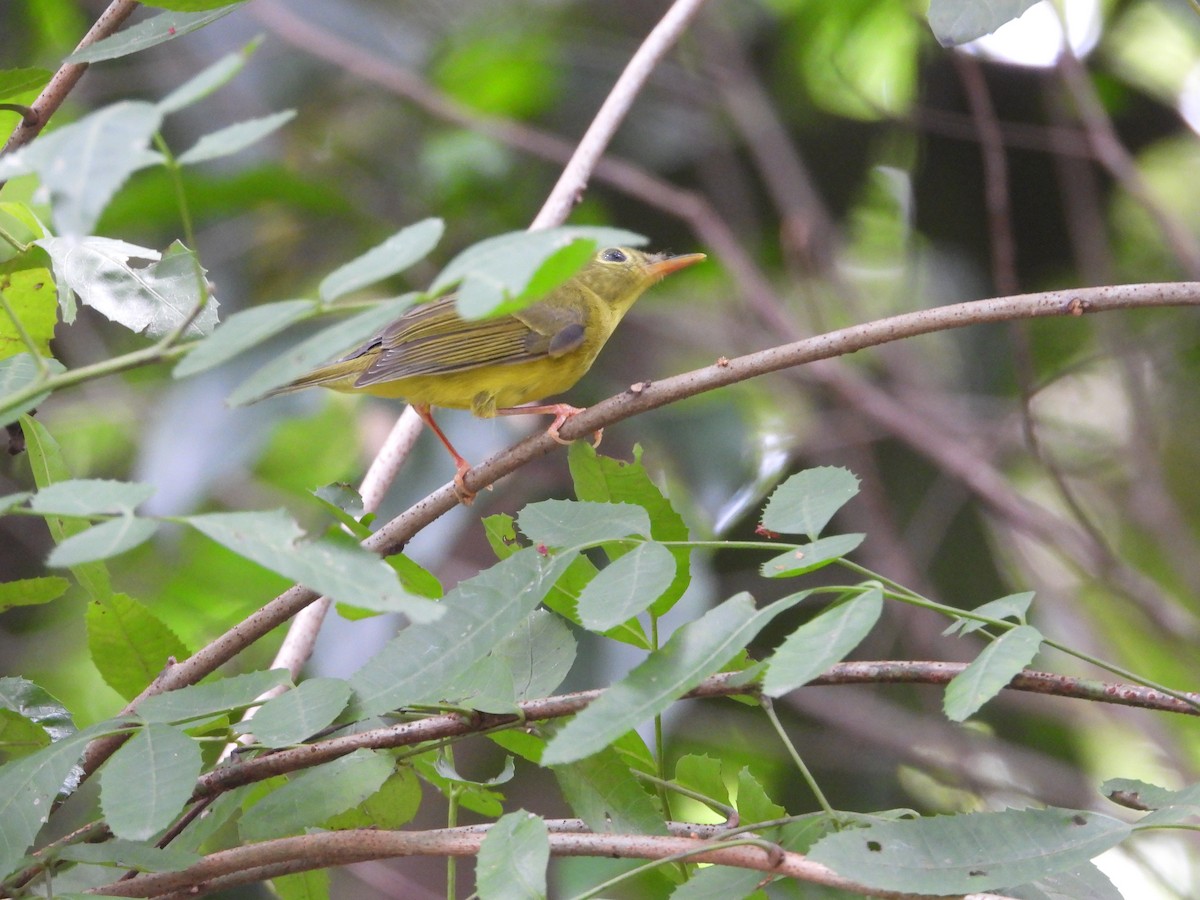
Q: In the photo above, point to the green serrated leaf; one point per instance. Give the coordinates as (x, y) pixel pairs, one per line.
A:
(806, 502)
(530, 662)
(129, 645)
(234, 138)
(148, 780)
(199, 701)
(299, 713)
(423, 660)
(810, 557)
(46, 463)
(513, 859)
(28, 291)
(393, 805)
(19, 736)
(15, 82)
(817, 645)
(603, 792)
(209, 79)
(336, 565)
(154, 299)
(102, 541)
(28, 787)
(83, 164)
(969, 853)
(988, 674)
(241, 331)
(150, 33)
(91, 496)
(399, 252)
(602, 479)
(311, 885)
(626, 587)
(316, 794)
(1014, 606)
(574, 523)
(31, 591)
(696, 650)
(130, 855)
(16, 374)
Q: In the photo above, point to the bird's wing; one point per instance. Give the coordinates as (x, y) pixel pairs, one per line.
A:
(433, 339)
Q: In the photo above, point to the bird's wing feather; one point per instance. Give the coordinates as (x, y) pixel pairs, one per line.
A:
(433, 339)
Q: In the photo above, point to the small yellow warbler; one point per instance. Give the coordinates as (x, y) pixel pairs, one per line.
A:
(430, 356)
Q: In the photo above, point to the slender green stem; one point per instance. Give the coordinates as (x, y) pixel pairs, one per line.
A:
(95, 370)
(26, 338)
(769, 708)
(912, 598)
(175, 173)
(9, 238)
(730, 814)
(600, 889)
(451, 822)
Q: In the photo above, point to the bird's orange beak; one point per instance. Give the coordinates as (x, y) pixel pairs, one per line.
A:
(663, 267)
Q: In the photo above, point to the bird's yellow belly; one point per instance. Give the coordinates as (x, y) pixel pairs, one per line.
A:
(485, 388)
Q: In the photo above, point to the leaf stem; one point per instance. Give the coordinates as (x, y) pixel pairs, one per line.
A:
(769, 709)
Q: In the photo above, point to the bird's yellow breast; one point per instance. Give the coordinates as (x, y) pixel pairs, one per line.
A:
(484, 388)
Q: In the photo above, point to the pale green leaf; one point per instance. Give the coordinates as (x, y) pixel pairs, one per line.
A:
(574, 523)
(241, 331)
(91, 496)
(209, 79)
(423, 661)
(16, 374)
(31, 591)
(1014, 606)
(163, 27)
(130, 855)
(404, 248)
(108, 539)
(626, 587)
(312, 796)
(129, 645)
(602, 791)
(28, 786)
(335, 565)
(234, 138)
(810, 557)
(513, 858)
(815, 646)
(696, 650)
(148, 780)
(15, 82)
(299, 713)
(82, 165)
(969, 853)
(155, 299)
(806, 502)
(199, 701)
(988, 674)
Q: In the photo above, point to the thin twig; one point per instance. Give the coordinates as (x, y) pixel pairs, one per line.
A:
(254, 862)
(574, 179)
(55, 93)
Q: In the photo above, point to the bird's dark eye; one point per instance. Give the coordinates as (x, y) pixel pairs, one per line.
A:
(612, 254)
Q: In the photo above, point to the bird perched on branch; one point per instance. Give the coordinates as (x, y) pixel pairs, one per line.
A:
(431, 356)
